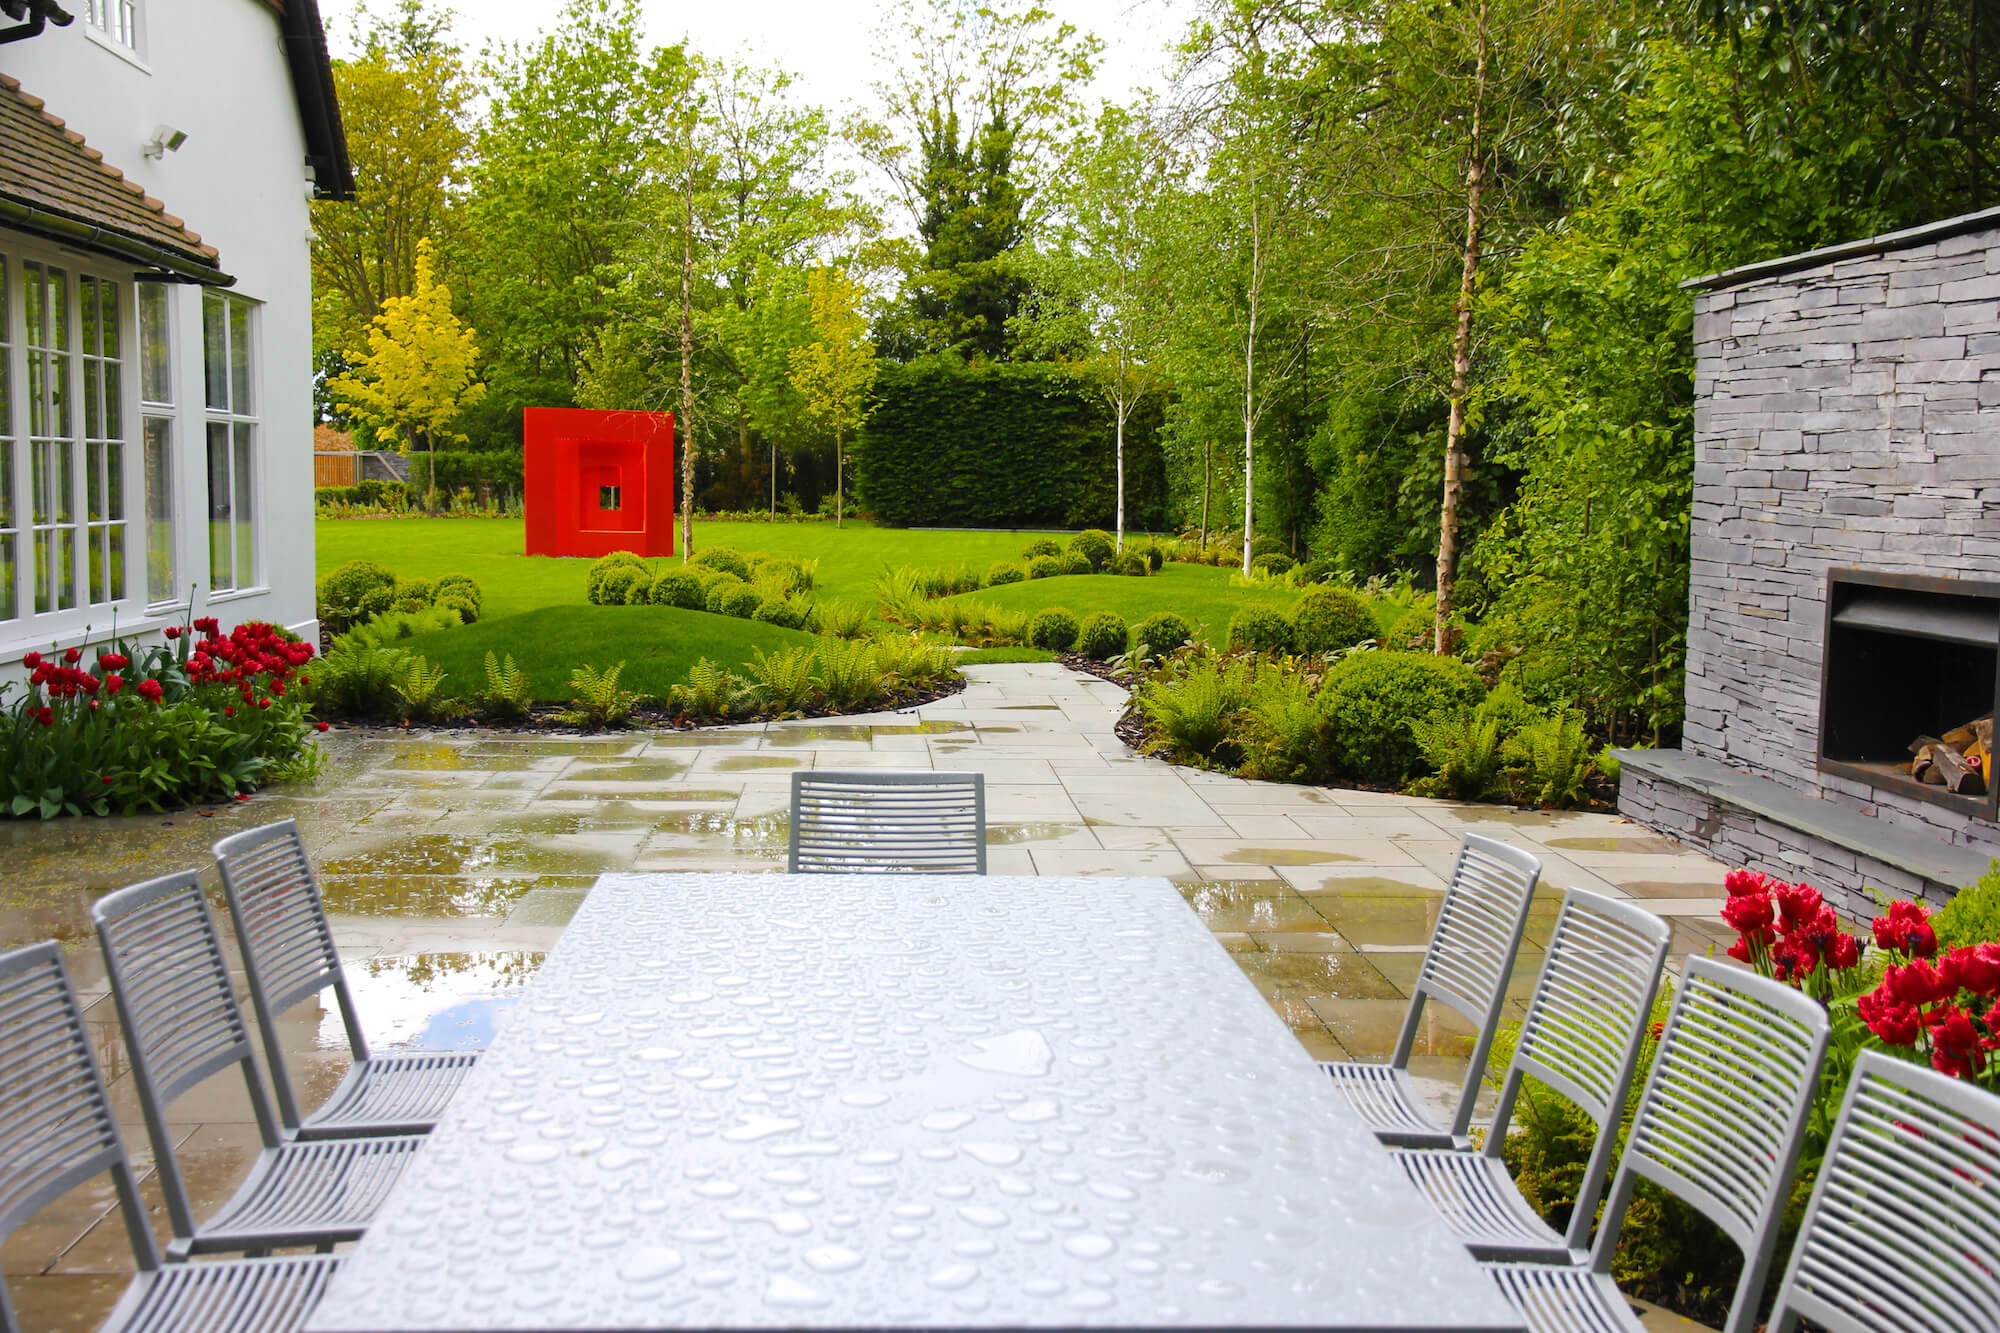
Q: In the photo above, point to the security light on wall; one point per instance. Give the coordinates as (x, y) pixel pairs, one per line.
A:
(166, 139)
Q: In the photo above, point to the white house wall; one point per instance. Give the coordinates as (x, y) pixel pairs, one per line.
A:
(215, 70)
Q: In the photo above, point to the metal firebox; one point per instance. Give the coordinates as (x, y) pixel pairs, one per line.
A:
(1906, 655)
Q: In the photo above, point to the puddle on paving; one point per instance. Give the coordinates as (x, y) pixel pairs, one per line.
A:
(1673, 888)
(707, 794)
(1636, 846)
(458, 854)
(1028, 708)
(696, 740)
(1000, 835)
(434, 895)
(1251, 904)
(544, 749)
(772, 830)
(421, 754)
(738, 762)
(626, 770)
(1364, 886)
(449, 1001)
(1283, 856)
(1348, 976)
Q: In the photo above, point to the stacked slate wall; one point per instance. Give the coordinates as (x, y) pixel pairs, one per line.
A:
(1848, 416)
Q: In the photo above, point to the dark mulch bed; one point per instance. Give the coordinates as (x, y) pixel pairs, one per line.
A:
(541, 719)
(1090, 666)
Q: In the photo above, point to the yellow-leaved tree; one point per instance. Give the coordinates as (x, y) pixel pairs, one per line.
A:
(420, 369)
(834, 371)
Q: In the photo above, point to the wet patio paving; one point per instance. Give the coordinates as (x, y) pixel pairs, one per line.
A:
(450, 862)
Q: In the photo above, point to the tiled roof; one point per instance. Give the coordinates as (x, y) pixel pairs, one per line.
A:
(53, 183)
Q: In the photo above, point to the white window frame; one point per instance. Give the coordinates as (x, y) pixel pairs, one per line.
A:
(116, 21)
(159, 488)
(13, 536)
(237, 417)
(107, 508)
(18, 445)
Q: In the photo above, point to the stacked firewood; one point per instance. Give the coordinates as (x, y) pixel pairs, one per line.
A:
(1958, 761)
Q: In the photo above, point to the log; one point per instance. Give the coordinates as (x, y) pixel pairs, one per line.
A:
(1924, 768)
(1955, 773)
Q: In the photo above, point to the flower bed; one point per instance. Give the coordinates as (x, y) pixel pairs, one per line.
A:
(199, 716)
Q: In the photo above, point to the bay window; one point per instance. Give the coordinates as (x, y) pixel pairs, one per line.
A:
(232, 440)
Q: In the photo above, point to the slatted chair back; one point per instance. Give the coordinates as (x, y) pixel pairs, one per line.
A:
(1471, 953)
(287, 942)
(1903, 1228)
(1720, 1121)
(910, 823)
(56, 1125)
(182, 1024)
(1586, 1024)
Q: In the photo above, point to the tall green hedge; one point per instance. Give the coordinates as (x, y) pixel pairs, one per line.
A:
(466, 468)
(1009, 444)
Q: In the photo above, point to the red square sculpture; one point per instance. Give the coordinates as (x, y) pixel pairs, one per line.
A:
(597, 482)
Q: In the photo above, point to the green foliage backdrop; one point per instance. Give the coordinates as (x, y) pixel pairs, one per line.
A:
(1001, 445)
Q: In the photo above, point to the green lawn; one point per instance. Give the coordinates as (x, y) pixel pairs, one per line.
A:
(489, 549)
(657, 644)
(535, 607)
(1202, 593)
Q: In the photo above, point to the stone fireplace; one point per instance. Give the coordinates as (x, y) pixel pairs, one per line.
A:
(1845, 593)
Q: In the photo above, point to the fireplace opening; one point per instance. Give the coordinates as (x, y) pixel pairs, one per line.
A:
(1909, 682)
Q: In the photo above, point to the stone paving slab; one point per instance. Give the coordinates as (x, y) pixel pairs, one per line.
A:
(451, 860)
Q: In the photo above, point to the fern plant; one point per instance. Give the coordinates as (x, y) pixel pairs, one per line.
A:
(1549, 759)
(1463, 748)
(421, 688)
(360, 680)
(843, 620)
(848, 674)
(598, 702)
(1281, 726)
(900, 596)
(709, 691)
(393, 626)
(506, 696)
(783, 681)
(1196, 707)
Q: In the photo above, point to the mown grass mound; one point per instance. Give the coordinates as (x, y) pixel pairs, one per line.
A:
(657, 644)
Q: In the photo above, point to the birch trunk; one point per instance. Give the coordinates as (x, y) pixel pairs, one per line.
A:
(1250, 378)
(686, 423)
(1124, 408)
(1461, 351)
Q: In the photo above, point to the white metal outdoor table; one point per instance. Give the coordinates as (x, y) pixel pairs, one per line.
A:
(856, 1101)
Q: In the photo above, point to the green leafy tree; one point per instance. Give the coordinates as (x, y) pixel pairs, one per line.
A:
(1097, 287)
(833, 372)
(573, 134)
(979, 102)
(419, 371)
(405, 102)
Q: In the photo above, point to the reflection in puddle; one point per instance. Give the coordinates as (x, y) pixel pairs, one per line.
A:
(626, 770)
(1639, 846)
(448, 1000)
(770, 830)
(1283, 856)
(430, 895)
(1004, 834)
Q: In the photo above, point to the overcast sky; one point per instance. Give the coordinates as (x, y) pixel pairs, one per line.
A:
(828, 44)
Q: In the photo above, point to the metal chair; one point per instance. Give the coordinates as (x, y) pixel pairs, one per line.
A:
(1581, 1037)
(1466, 967)
(288, 951)
(1904, 1221)
(1719, 1125)
(909, 823)
(182, 1025)
(57, 1131)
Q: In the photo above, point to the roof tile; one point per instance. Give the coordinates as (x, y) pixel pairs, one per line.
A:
(45, 164)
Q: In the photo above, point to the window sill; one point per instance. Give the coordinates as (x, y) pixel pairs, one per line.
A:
(236, 595)
(116, 48)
